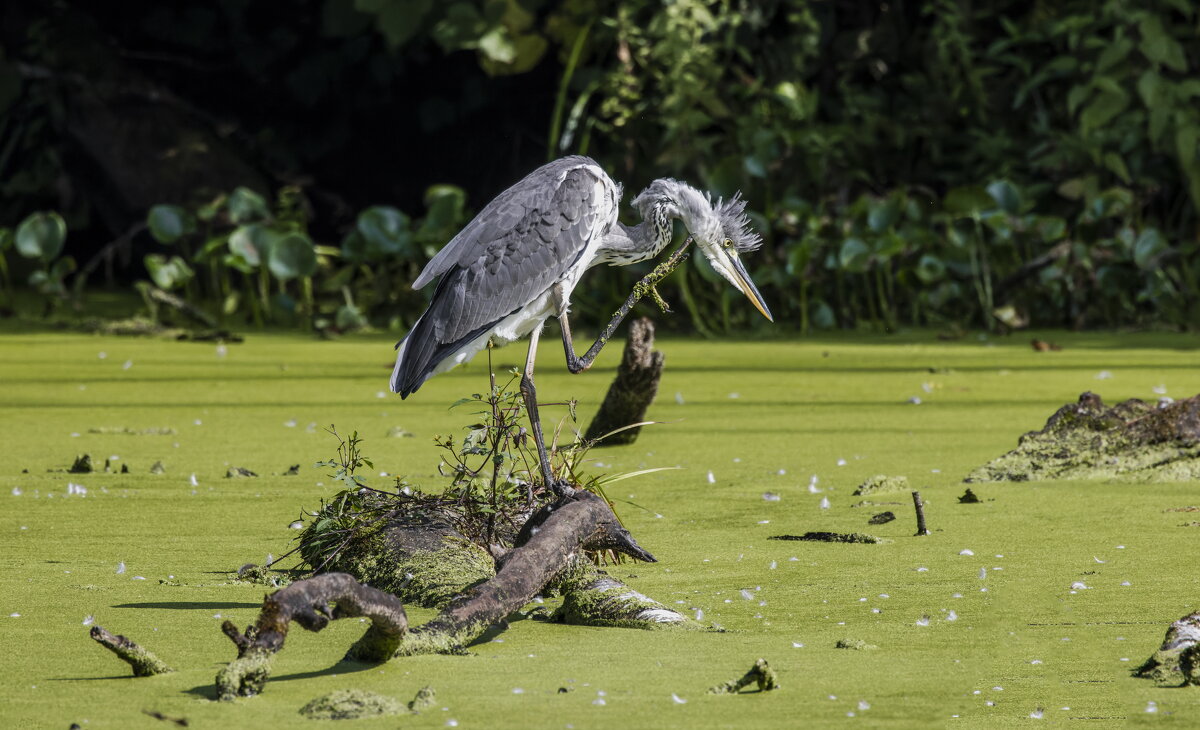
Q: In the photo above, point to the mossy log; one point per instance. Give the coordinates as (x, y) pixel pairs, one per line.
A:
(143, 662)
(760, 674)
(1177, 661)
(307, 602)
(549, 541)
(1131, 441)
(592, 597)
(632, 390)
(424, 561)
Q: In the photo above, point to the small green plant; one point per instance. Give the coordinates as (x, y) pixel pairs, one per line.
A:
(349, 460)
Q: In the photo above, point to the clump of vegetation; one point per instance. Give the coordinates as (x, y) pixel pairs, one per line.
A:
(425, 546)
(1132, 441)
(351, 704)
(882, 483)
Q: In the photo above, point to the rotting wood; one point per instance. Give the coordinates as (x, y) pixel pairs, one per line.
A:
(633, 389)
(592, 597)
(857, 537)
(307, 602)
(920, 508)
(547, 543)
(760, 674)
(143, 662)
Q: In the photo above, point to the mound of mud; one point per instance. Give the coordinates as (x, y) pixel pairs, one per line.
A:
(1132, 441)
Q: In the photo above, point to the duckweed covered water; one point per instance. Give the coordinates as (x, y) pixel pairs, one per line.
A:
(1035, 603)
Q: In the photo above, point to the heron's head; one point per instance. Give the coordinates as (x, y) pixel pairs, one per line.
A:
(721, 230)
(723, 241)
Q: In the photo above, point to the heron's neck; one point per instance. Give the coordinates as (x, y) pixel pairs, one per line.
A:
(629, 244)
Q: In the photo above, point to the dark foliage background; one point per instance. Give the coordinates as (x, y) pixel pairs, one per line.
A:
(950, 163)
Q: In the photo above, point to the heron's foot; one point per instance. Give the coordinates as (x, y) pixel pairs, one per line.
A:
(662, 303)
(561, 488)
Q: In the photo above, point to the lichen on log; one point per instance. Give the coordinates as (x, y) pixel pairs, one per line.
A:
(418, 556)
(1177, 661)
(632, 390)
(1133, 441)
(592, 597)
(143, 662)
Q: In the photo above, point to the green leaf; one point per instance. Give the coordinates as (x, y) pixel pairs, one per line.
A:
(168, 223)
(246, 205)
(1148, 246)
(930, 269)
(400, 20)
(1102, 109)
(292, 256)
(168, 274)
(496, 45)
(1006, 195)
(854, 255)
(384, 230)
(460, 27)
(1151, 88)
(1115, 53)
(6, 239)
(822, 316)
(444, 205)
(883, 214)
(798, 258)
(967, 199)
(41, 236)
(251, 243)
(527, 50)
(1076, 96)
(754, 166)
(1116, 164)
(1158, 46)
(1051, 228)
(1185, 143)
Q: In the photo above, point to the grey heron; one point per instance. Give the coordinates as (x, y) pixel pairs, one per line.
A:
(516, 263)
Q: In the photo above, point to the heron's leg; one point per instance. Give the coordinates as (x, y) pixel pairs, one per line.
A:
(531, 408)
(644, 286)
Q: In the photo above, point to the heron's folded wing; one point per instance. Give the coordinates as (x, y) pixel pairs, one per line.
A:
(505, 213)
(519, 264)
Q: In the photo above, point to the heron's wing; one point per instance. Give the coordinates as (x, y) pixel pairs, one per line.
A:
(537, 230)
(504, 214)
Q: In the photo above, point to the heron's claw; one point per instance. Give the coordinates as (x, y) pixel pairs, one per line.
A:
(662, 303)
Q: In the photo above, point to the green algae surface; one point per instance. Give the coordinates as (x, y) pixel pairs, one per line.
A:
(1038, 601)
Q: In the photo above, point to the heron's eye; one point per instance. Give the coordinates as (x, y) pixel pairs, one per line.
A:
(728, 243)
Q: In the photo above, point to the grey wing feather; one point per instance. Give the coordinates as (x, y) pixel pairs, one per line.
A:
(508, 211)
(516, 248)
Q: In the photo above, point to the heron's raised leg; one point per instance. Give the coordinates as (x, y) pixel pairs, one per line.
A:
(531, 408)
(646, 285)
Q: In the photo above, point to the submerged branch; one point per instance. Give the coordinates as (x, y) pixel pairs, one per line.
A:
(760, 674)
(308, 602)
(143, 662)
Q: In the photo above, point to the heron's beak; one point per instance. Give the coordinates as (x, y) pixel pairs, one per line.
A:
(736, 273)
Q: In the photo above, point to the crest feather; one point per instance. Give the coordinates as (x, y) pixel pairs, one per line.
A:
(736, 224)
